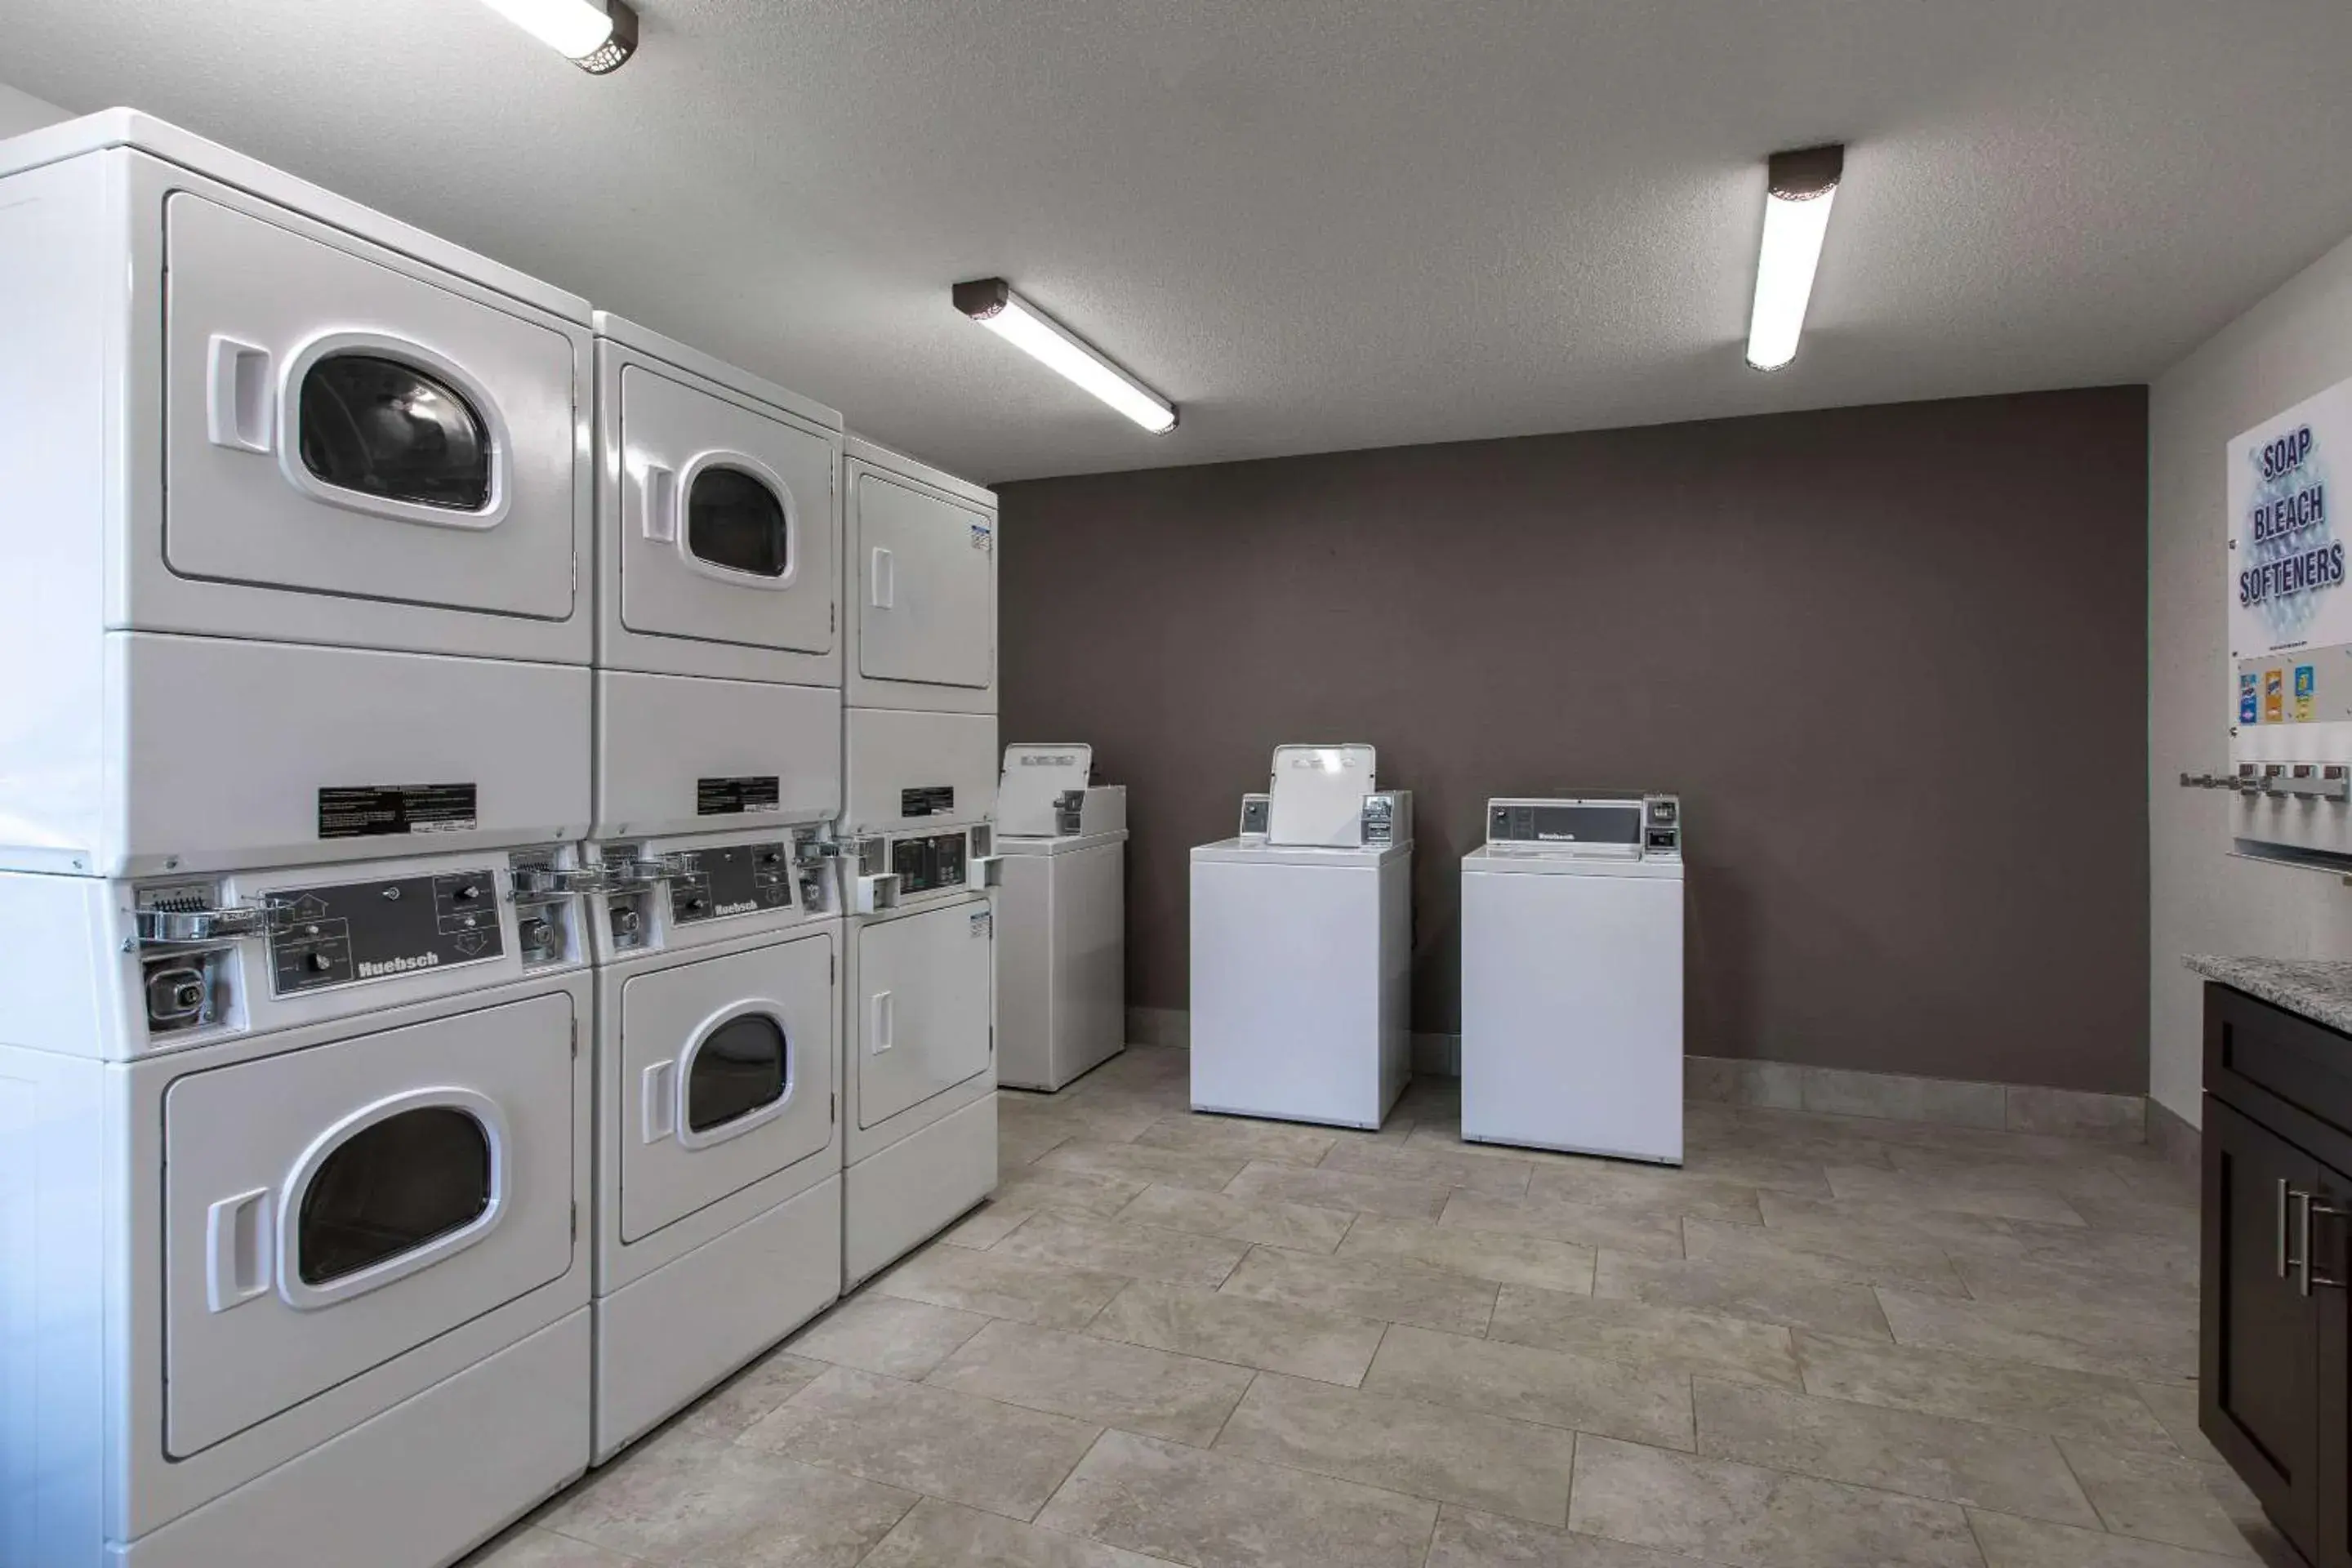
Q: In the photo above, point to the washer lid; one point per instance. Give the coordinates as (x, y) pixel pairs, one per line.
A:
(1035, 776)
(1318, 793)
(1258, 852)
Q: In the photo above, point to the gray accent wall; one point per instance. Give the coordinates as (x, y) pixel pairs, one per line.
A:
(2295, 342)
(1894, 659)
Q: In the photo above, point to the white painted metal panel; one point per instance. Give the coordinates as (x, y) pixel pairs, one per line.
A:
(923, 1007)
(1061, 960)
(667, 1171)
(897, 761)
(659, 737)
(926, 574)
(1318, 794)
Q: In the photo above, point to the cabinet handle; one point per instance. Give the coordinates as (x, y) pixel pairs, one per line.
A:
(2284, 1192)
(2300, 1262)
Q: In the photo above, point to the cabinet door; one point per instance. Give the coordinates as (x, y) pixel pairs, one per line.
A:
(2331, 1258)
(2258, 1388)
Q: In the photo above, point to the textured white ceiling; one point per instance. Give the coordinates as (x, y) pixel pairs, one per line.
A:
(1314, 224)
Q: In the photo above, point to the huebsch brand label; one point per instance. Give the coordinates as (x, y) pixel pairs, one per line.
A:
(931, 800)
(379, 811)
(732, 797)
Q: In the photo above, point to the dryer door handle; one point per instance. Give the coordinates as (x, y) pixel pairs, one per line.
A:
(239, 408)
(884, 579)
(658, 1101)
(882, 1033)
(657, 496)
(236, 1250)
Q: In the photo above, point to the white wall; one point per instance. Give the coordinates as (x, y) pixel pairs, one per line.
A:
(21, 111)
(2295, 342)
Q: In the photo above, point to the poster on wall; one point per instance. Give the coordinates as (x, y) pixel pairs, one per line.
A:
(2290, 606)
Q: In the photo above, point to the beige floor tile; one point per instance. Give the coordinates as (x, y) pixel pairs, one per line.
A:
(2175, 1406)
(751, 1393)
(2031, 1544)
(1043, 1188)
(1902, 1097)
(1237, 1138)
(1793, 1170)
(1899, 1223)
(1658, 1233)
(984, 1227)
(1764, 1294)
(1208, 1511)
(888, 1335)
(1168, 1167)
(2155, 1497)
(1299, 1227)
(1892, 1450)
(1001, 1286)
(946, 1535)
(944, 1445)
(1551, 1388)
(1756, 1518)
(2172, 1259)
(2148, 1350)
(1303, 1341)
(2074, 1286)
(1179, 1398)
(1947, 1192)
(1390, 1291)
(2166, 1217)
(2103, 1410)
(1502, 1178)
(686, 1499)
(1354, 1190)
(1111, 1247)
(1535, 1260)
(532, 1547)
(1668, 1338)
(1468, 1539)
(1103, 1120)
(1018, 1147)
(1406, 1446)
(1852, 1259)
(1614, 1184)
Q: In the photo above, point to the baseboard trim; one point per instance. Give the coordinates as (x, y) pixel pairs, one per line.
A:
(1838, 1091)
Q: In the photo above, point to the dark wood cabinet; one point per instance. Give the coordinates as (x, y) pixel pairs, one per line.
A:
(2275, 1376)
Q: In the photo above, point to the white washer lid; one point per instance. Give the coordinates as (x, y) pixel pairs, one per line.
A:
(1318, 794)
(1257, 852)
(1010, 847)
(1035, 775)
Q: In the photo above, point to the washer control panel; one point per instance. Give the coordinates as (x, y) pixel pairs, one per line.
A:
(349, 931)
(739, 880)
(929, 863)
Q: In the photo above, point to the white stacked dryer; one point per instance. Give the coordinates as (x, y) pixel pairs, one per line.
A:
(1061, 916)
(718, 773)
(917, 840)
(304, 496)
(293, 989)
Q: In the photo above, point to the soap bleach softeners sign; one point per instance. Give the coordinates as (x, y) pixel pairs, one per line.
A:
(2290, 607)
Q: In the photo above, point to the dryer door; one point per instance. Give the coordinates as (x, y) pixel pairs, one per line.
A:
(927, 577)
(335, 425)
(728, 531)
(924, 1008)
(725, 1076)
(329, 1208)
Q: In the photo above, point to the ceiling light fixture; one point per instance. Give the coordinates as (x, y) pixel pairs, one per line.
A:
(992, 302)
(1799, 189)
(598, 36)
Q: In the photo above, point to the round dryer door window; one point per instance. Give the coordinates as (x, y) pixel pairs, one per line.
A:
(387, 429)
(733, 521)
(739, 1069)
(392, 1187)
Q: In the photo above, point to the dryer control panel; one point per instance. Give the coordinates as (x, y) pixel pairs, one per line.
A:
(335, 934)
(738, 879)
(926, 863)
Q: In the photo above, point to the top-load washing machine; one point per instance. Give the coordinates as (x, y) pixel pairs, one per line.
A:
(1573, 977)
(1061, 916)
(296, 1166)
(304, 496)
(920, 1081)
(719, 591)
(922, 585)
(1302, 946)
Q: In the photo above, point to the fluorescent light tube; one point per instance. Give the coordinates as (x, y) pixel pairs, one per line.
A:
(992, 302)
(1800, 189)
(596, 35)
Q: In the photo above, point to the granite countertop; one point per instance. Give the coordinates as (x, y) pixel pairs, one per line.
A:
(2318, 988)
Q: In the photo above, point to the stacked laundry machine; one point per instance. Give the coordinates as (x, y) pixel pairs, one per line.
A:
(919, 853)
(445, 1021)
(295, 1106)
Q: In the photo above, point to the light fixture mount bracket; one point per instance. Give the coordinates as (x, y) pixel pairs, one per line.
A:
(616, 50)
(982, 298)
(1804, 172)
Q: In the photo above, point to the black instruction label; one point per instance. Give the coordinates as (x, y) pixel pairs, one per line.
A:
(731, 798)
(931, 800)
(378, 811)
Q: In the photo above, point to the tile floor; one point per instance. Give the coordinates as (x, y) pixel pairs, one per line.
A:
(1179, 1339)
